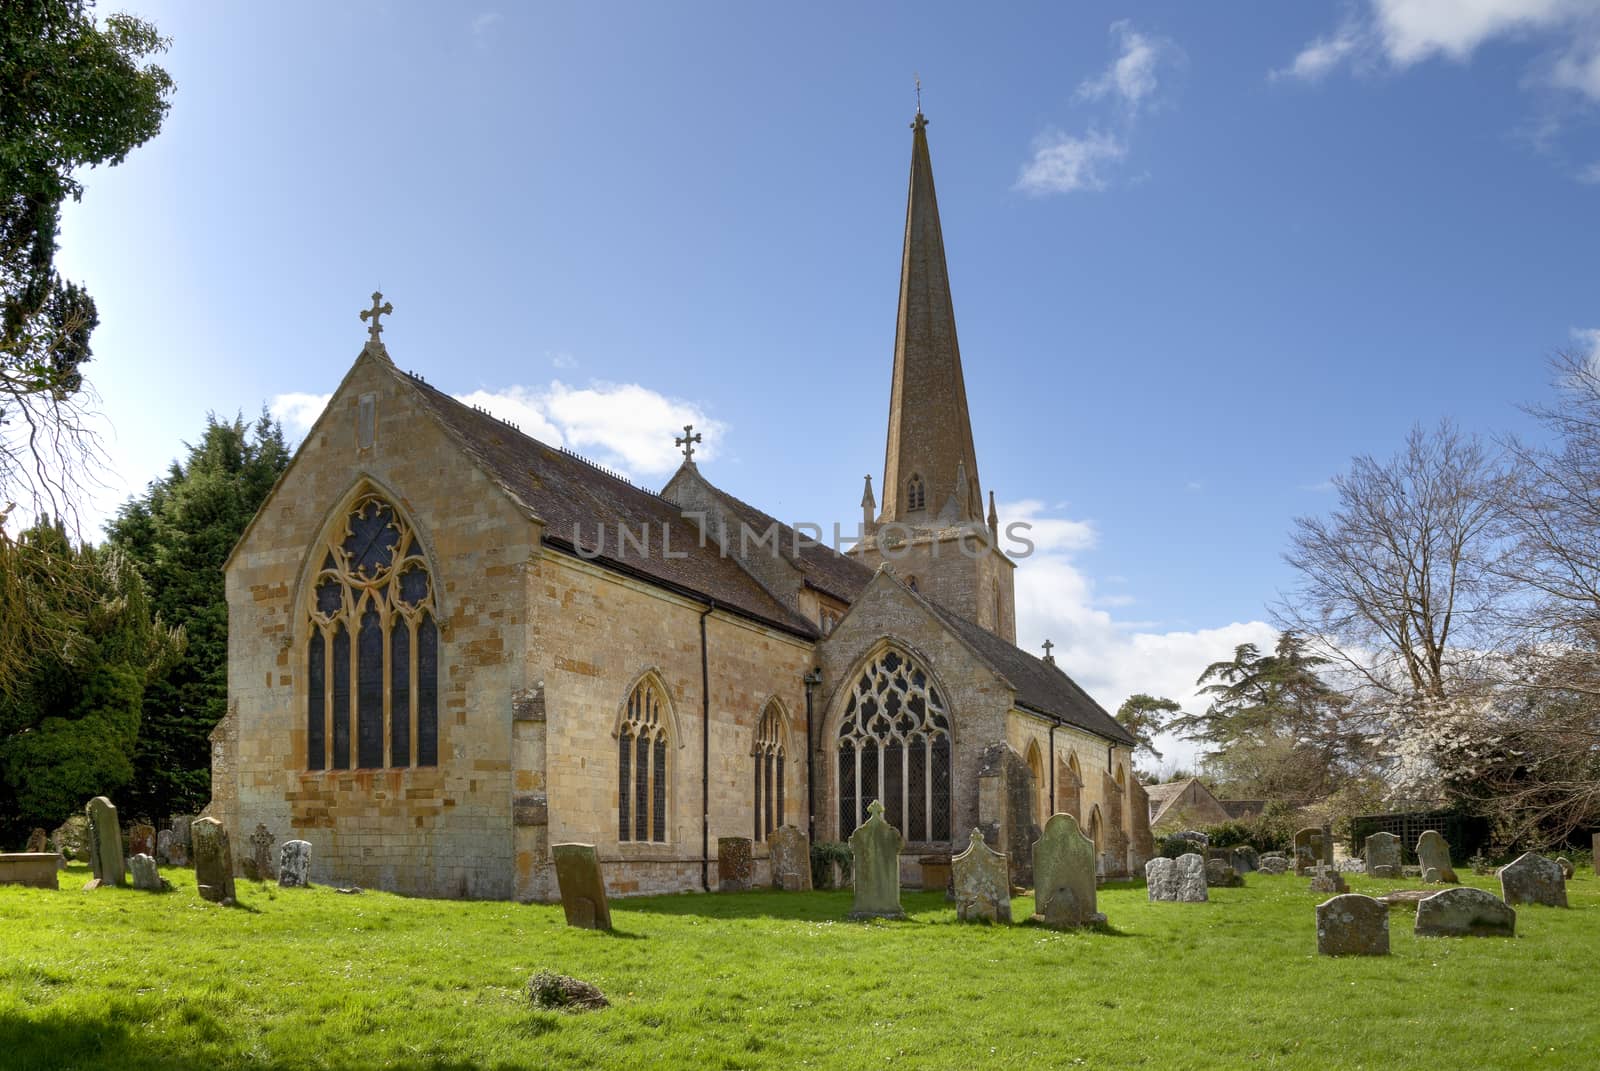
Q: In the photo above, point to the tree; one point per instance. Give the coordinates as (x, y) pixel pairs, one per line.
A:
(178, 534)
(1144, 716)
(76, 95)
(68, 727)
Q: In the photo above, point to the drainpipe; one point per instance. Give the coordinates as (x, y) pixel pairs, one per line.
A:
(811, 679)
(705, 753)
(1052, 771)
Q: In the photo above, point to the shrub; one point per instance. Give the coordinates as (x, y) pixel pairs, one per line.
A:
(823, 856)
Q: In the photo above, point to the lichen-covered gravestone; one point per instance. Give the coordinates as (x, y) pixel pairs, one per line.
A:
(583, 890)
(1533, 879)
(735, 864)
(105, 844)
(261, 844)
(875, 846)
(1190, 879)
(1244, 860)
(1327, 879)
(1161, 879)
(142, 839)
(1382, 850)
(1464, 912)
(1273, 864)
(294, 864)
(1434, 854)
(1063, 876)
(982, 882)
(1352, 925)
(1307, 849)
(145, 874)
(1221, 875)
(791, 859)
(213, 860)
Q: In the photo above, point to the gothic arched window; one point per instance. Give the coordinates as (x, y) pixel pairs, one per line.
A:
(769, 763)
(642, 765)
(916, 493)
(372, 659)
(894, 745)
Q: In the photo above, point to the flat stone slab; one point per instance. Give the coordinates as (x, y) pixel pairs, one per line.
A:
(1465, 912)
(34, 869)
(1407, 897)
(583, 890)
(1352, 925)
(1533, 879)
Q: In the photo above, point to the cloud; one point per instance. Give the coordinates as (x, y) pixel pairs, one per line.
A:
(484, 22)
(1110, 657)
(1588, 339)
(1409, 32)
(1071, 163)
(625, 426)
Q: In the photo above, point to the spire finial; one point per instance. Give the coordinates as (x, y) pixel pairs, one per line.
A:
(917, 78)
(379, 308)
(687, 441)
(1048, 657)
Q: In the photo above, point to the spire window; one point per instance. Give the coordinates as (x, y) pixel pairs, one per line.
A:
(916, 493)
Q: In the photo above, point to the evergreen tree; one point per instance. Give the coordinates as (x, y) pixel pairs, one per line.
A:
(179, 534)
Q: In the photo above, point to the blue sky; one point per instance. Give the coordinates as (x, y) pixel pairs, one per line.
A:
(1200, 257)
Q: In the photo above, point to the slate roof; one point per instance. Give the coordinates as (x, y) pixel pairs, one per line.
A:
(571, 496)
(825, 569)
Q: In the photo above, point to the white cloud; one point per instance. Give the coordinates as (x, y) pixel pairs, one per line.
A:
(1065, 164)
(624, 426)
(1131, 77)
(1323, 55)
(1111, 658)
(1588, 339)
(482, 23)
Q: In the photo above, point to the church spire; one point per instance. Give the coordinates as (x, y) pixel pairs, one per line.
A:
(930, 470)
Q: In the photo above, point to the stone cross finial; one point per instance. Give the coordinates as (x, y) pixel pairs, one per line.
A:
(379, 308)
(917, 78)
(1048, 647)
(874, 810)
(687, 441)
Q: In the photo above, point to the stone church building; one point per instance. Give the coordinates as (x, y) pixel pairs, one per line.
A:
(452, 646)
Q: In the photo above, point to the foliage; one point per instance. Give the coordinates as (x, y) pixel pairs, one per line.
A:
(67, 729)
(76, 95)
(1174, 845)
(179, 533)
(824, 854)
(1144, 716)
(765, 980)
(1270, 831)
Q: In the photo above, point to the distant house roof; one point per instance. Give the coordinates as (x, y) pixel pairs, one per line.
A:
(1167, 798)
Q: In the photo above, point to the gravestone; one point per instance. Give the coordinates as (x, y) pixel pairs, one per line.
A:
(1326, 879)
(1464, 912)
(1220, 875)
(875, 846)
(72, 838)
(735, 864)
(1245, 860)
(1307, 850)
(1273, 864)
(164, 847)
(1161, 879)
(180, 826)
(38, 841)
(261, 845)
(213, 860)
(105, 843)
(1350, 866)
(294, 864)
(791, 860)
(982, 882)
(1533, 879)
(1063, 876)
(583, 891)
(1434, 854)
(145, 874)
(1190, 879)
(1567, 869)
(142, 839)
(1352, 925)
(1382, 850)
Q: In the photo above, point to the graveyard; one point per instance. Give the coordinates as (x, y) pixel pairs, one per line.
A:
(311, 978)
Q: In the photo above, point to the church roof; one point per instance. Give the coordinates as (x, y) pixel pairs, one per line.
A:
(1041, 687)
(573, 498)
(825, 569)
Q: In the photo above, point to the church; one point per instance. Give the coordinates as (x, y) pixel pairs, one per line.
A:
(451, 646)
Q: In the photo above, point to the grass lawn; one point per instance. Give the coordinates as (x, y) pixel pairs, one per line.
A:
(311, 979)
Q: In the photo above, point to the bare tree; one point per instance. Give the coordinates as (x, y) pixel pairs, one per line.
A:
(1400, 583)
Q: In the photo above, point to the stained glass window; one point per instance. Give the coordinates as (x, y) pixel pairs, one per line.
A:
(894, 744)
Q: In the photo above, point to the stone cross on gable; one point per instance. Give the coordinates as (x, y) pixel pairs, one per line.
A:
(687, 441)
(1048, 647)
(379, 308)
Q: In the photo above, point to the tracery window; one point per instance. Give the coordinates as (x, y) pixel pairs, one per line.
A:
(372, 659)
(916, 493)
(769, 767)
(894, 745)
(642, 766)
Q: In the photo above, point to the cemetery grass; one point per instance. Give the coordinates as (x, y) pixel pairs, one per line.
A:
(297, 978)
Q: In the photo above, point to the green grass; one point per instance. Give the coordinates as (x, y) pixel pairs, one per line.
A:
(312, 979)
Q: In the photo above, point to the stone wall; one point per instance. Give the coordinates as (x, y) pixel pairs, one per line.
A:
(966, 582)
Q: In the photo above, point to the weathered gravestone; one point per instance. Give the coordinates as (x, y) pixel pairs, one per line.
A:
(735, 864)
(1220, 875)
(1464, 912)
(1190, 879)
(1308, 850)
(1063, 876)
(1244, 860)
(982, 882)
(1161, 879)
(145, 874)
(1382, 850)
(1352, 925)
(583, 891)
(105, 844)
(875, 846)
(1327, 879)
(72, 838)
(791, 859)
(1533, 879)
(164, 847)
(38, 841)
(261, 845)
(1273, 864)
(1567, 869)
(294, 864)
(213, 860)
(1434, 854)
(142, 839)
